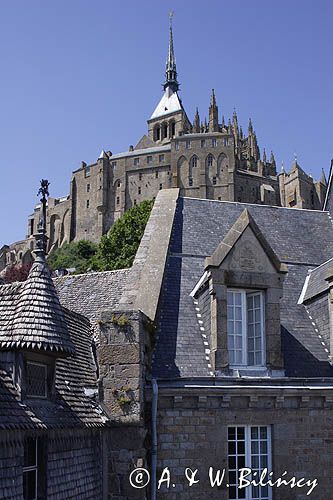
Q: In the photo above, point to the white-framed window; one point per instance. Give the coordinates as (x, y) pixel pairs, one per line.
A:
(36, 380)
(246, 329)
(250, 447)
(30, 469)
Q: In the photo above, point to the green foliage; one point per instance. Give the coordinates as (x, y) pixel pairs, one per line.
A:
(117, 249)
(78, 255)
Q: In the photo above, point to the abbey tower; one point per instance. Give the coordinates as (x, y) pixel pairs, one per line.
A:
(214, 160)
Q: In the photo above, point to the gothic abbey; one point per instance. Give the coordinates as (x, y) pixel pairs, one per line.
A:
(214, 160)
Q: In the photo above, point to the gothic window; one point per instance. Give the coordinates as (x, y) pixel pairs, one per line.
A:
(157, 133)
(172, 129)
(36, 380)
(210, 160)
(194, 161)
(249, 446)
(245, 315)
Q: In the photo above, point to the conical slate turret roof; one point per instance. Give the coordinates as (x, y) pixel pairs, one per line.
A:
(38, 321)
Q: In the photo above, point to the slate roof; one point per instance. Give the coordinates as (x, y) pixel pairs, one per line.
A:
(199, 226)
(91, 293)
(317, 283)
(70, 407)
(31, 316)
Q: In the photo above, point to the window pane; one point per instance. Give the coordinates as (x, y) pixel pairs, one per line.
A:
(231, 433)
(36, 380)
(29, 485)
(30, 458)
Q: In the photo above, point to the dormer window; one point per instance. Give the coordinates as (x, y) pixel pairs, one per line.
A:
(36, 380)
(245, 317)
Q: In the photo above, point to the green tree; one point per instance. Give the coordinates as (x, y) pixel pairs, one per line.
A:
(117, 249)
(75, 254)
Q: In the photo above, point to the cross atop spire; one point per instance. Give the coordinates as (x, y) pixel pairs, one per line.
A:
(171, 70)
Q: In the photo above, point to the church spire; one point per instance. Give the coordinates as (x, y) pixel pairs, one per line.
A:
(170, 70)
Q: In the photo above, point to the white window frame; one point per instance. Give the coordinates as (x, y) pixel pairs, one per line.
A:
(34, 468)
(45, 380)
(248, 460)
(245, 323)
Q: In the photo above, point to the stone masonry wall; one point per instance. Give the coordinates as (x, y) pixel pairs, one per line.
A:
(192, 432)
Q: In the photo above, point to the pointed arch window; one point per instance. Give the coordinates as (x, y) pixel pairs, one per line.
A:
(210, 160)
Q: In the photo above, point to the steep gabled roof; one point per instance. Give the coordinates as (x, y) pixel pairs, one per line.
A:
(169, 103)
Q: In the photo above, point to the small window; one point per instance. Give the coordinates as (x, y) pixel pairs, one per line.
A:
(214, 180)
(140, 176)
(245, 316)
(156, 174)
(139, 190)
(88, 204)
(30, 469)
(190, 181)
(188, 144)
(88, 188)
(177, 145)
(31, 226)
(118, 200)
(210, 161)
(134, 203)
(136, 161)
(219, 198)
(36, 386)
(225, 141)
(161, 186)
(113, 164)
(194, 162)
(203, 143)
(87, 171)
(161, 158)
(249, 447)
(214, 142)
(149, 159)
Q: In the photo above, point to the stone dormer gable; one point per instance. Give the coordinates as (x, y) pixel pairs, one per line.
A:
(246, 287)
(144, 143)
(244, 248)
(37, 322)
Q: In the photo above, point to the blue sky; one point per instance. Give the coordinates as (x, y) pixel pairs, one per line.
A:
(79, 76)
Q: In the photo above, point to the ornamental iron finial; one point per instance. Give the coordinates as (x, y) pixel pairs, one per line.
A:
(40, 237)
